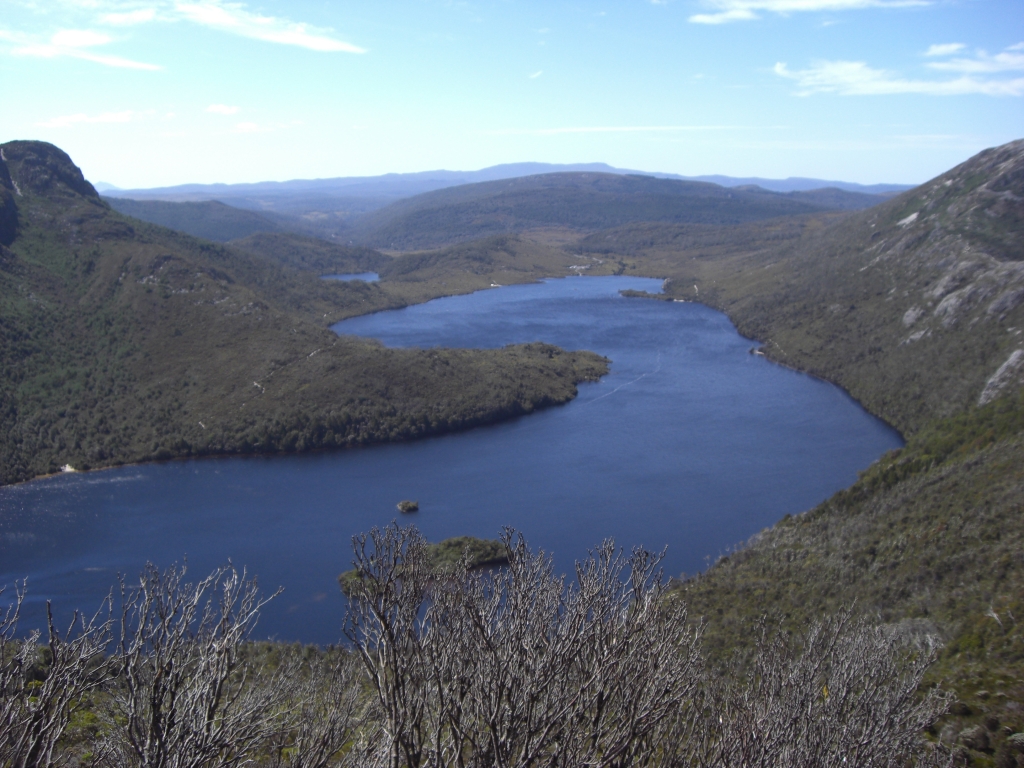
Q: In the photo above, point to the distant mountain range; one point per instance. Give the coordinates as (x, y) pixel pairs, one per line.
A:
(581, 201)
(287, 196)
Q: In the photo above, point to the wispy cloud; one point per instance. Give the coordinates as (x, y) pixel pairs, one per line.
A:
(1010, 60)
(235, 19)
(228, 17)
(944, 49)
(536, 74)
(222, 109)
(856, 78)
(73, 43)
(107, 117)
(725, 11)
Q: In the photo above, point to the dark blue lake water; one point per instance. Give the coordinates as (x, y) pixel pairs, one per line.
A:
(690, 442)
(366, 277)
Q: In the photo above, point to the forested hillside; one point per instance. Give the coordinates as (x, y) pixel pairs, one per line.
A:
(210, 220)
(584, 202)
(124, 341)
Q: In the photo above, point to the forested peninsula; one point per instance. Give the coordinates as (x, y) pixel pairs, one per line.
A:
(127, 342)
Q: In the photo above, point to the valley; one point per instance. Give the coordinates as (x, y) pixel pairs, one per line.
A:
(128, 342)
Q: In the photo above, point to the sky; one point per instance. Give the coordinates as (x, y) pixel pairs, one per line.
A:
(147, 93)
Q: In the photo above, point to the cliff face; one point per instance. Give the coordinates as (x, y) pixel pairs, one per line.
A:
(38, 168)
(8, 209)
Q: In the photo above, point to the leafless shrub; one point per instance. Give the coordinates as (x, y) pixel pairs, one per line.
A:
(35, 712)
(515, 667)
(183, 698)
(330, 724)
(846, 694)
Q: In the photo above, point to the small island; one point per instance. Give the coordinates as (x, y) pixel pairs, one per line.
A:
(630, 293)
(445, 554)
(408, 506)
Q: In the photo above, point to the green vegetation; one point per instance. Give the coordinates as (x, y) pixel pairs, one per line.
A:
(929, 540)
(629, 293)
(209, 219)
(581, 201)
(127, 342)
(477, 552)
(446, 555)
(311, 254)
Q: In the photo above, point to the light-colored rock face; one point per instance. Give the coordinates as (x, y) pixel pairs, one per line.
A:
(952, 252)
(911, 316)
(1010, 375)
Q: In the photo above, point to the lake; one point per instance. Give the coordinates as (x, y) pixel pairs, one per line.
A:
(366, 277)
(690, 443)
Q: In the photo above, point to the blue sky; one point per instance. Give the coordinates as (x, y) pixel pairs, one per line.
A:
(151, 93)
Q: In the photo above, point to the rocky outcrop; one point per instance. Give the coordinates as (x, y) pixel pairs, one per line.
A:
(38, 168)
(8, 209)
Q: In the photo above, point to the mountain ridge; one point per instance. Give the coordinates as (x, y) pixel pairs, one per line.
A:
(577, 201)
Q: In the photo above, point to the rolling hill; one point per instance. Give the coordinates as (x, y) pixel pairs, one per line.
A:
(578, 201)
(300, 195)
(124, 341)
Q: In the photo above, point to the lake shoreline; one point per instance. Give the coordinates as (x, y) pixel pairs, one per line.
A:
(762, 347)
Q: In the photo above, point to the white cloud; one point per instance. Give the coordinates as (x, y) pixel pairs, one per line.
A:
(746, 10)
(1007, 61)
(536, 74)
(107, 117)
(73, 43)
(855, 78)
(248, 128)
(222, 109)
(128, 18)
(233, 18)
(944, 49)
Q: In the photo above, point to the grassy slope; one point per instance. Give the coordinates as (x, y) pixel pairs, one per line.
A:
(913, 318)
(124, 342)
(583, 201)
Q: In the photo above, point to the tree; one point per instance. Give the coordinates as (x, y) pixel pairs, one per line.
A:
(514, 667)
